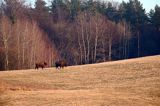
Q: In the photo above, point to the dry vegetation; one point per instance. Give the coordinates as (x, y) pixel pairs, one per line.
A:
(134, 82)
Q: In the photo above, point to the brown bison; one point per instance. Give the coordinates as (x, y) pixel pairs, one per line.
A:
(40, 65)
(60, 64)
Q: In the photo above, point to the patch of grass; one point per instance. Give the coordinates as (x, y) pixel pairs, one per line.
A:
(155, 93)
(4, 100)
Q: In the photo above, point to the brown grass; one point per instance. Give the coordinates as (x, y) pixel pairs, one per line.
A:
(134, 82)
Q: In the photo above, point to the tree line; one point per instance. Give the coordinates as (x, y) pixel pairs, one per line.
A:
(79, 31)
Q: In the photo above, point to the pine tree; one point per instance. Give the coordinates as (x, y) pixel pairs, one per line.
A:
(156, 18)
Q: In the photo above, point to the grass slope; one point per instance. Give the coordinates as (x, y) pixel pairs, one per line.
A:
(134, 82)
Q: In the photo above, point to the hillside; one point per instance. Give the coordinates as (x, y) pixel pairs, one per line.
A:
(134, 82)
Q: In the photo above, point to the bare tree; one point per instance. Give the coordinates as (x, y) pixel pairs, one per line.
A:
(24, 44)
(125, 31)
(5, 36)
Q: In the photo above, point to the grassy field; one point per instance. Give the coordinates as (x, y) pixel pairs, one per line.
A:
(134, 82)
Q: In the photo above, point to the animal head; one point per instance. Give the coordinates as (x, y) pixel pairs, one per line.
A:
(45, 63)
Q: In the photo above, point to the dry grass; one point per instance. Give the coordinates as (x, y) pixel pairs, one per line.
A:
(134, 82)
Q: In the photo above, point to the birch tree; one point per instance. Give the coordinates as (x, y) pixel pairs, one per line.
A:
(5, 36)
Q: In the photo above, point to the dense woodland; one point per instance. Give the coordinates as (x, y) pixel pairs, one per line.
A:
(78, 31)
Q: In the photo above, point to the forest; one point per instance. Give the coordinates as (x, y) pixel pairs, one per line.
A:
(78, 31)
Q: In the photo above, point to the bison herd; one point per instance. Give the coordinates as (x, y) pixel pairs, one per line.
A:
(58, 64)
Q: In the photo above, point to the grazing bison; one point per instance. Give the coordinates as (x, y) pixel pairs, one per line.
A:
(60, 64)
(40, 65)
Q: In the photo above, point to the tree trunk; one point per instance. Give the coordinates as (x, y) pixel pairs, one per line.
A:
(110, 49)
(88, 44)
(138, 44)
(95, 46)
(18, 46)
(6, 54)
(84, 46)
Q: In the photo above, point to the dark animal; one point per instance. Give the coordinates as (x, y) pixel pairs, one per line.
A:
(60, 64)
(40, 65)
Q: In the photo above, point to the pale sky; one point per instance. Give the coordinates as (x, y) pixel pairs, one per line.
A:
(147, 4)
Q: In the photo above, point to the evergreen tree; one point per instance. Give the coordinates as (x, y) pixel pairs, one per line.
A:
(59, 10)
(41, 13)
(151, 14)
(74, 8)
(134, 13)
(101, 7)
(41, 10)
(110, 11)
(156, 18)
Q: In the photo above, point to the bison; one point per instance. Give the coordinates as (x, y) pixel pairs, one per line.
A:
(40, 65)
(60, 64)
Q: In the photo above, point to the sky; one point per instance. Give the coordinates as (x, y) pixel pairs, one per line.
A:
(147, 4)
